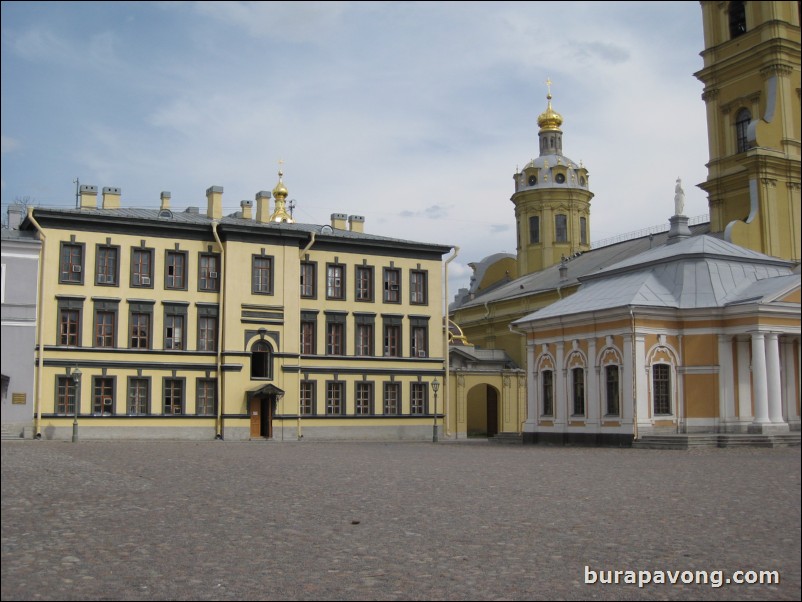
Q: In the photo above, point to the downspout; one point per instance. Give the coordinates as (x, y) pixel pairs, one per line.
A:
(447, 376)
(40, 326)
(220, 331)
(634, 380)
(301, 255)
(526, 374)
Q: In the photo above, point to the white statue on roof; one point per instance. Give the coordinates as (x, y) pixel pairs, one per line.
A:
(679, 198)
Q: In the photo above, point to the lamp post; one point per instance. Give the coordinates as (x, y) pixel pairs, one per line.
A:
(76, 379)
(435, 387)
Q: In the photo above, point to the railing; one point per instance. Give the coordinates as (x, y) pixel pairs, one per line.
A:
(605, 242)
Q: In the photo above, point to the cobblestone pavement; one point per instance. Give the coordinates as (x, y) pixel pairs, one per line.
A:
(390, 521)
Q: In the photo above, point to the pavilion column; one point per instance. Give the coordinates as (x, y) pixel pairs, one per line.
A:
(773, 378)
(759, 379)
(744, 383)
(726, 397)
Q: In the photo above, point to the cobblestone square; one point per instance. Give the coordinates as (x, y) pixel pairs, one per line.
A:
(156, 520)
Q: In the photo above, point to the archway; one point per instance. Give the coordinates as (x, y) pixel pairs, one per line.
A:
(482, 408)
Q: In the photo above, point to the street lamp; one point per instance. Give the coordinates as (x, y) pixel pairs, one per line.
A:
(76, 379)
(435, 387)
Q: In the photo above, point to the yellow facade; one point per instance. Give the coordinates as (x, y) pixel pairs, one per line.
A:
(296, 330)
(752, 80)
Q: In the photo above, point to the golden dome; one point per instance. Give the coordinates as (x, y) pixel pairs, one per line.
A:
(549, 119)
(280, 190)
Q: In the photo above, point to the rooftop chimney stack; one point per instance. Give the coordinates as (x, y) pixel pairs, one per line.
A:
(247, 209)
(339, 221)
(165, 201)
(214, 200)
(15, 213)
(263, 206)
(111, 197)
(356, 223)
(87, 197)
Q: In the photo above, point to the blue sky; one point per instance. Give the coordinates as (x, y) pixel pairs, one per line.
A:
(414, 115)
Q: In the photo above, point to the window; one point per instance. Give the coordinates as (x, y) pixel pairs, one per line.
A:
(69, 326)
(534, 230)
(578, 384)
(392, 398)
(335, 281)
(737, 14)
(72, 263)
(583, 230)
(175, 318)
(335, 398)
(364, 398)
(364, 283)
(548, 392)
(308, 273)
(103, 396)
(262, 275)
(419, 338)
(261, 360)
(209, 272)
(207, 328)
(206, 397)
(65, 395)
(335, 334)
(392, 285)
(107, 266)
(418, 287)
(173, 331)
(175, 270)
(417, 398)
(560, 178)
(173, 396)
(140, 330)
(307, 400)
(742, 122)
(392, 339)
(612, 389)
(142, 268)
(364, 338)
(561, 225)
(661, 388)
(308, 333)
(138, 395)
(105, 328)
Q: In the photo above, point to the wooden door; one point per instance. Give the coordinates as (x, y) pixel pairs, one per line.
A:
(256, 417)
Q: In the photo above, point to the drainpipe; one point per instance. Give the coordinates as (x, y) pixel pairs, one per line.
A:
(40, 326)
(301, 255)
(526, 374)
(634, 380)
(447, 376)
(220, 331)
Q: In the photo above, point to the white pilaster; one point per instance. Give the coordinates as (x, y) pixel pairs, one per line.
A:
(531, 389)
(759, 379)
(744, 382)
(559, 383)
(627, 380)
(726, 397)
(773, 378)
(593, 386)
(642, 383)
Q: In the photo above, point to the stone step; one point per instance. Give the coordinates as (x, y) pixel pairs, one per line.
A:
(507, 438)
(688, 441)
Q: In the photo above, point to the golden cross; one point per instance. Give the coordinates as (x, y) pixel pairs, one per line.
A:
(280, 163)
(548, 84)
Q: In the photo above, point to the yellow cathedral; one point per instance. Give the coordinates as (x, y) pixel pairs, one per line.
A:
(692, 330)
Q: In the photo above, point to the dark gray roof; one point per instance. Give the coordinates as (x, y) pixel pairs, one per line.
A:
(19, 235)
(132, 215)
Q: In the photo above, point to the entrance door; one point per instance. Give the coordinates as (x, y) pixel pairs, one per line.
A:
(261, 410)
(492, 412)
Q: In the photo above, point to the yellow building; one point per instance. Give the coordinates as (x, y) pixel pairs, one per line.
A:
(180, 324)
(752, 93)
(752, 84)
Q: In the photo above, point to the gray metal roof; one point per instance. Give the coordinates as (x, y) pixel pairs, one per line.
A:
(702, 273)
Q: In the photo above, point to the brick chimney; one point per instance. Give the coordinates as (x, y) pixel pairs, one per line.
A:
(87, 197)
(356, 223)
(214, 200)
(111, 197)
(263, 206)
(339, 221)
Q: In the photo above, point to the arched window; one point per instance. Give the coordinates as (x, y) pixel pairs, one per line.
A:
(561, 223)
(583, 231)
(547, 378)
(661, 389)
(261, 360)
(612, 390)
(741, 126)
(737, 19)
(534, 230)
(578, 391)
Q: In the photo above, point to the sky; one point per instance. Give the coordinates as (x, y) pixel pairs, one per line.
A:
(414, 115)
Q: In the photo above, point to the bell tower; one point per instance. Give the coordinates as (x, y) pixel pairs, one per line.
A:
(751, 80)
(552, 201)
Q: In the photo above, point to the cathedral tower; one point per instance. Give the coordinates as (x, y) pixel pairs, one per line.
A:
(552, 201)
(751, 76)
